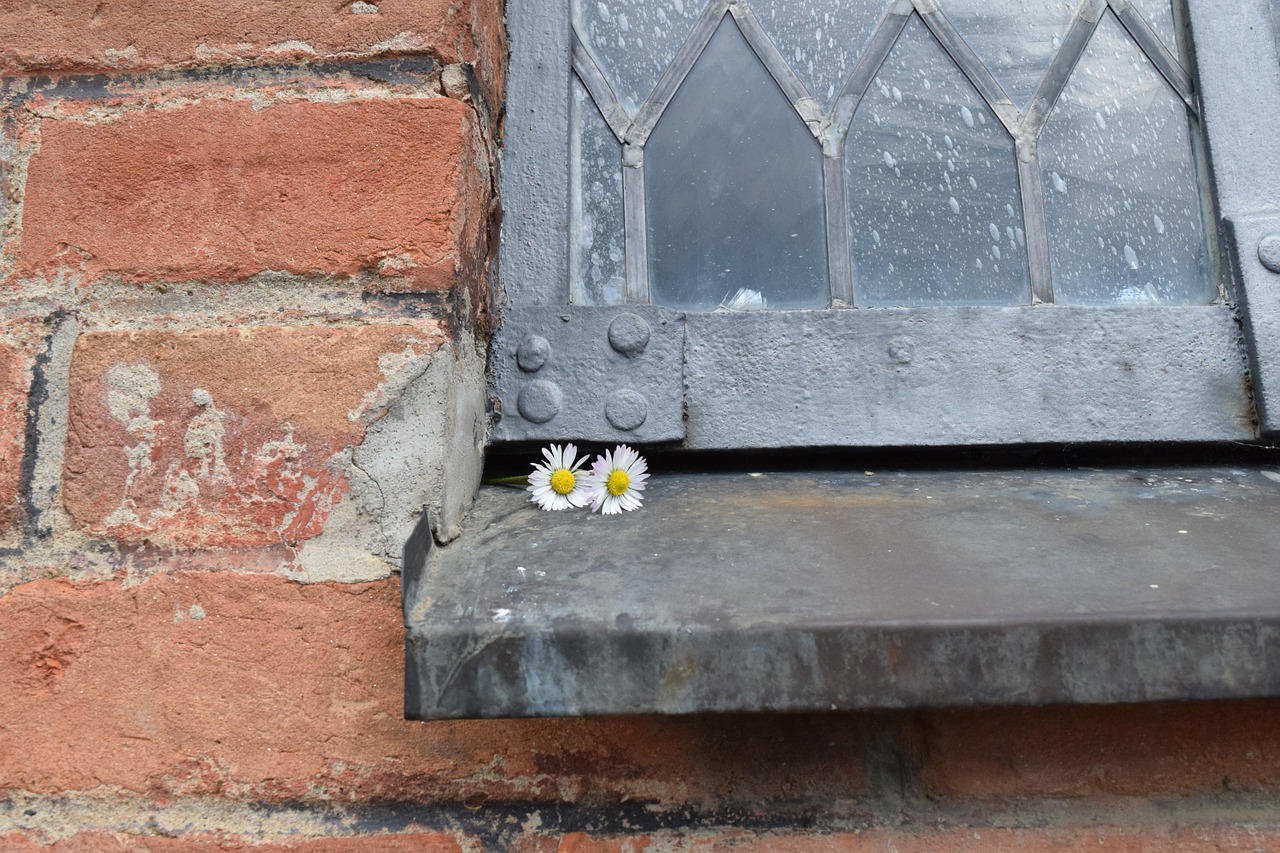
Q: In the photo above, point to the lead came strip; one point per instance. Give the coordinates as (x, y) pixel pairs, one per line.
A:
(839, 252)
(1033, 220)
(647, 118)
(969, 63)
(636, 236)
(615, 115)
(1156, 50)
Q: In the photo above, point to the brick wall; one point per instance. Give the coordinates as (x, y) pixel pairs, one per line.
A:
(244, 259)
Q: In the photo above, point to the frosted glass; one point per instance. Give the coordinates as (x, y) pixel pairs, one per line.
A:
(634, 41)
(932, 186)
(597, 264)
(1121, 198)
(820, 39)
(1015, 39)
(733, 184)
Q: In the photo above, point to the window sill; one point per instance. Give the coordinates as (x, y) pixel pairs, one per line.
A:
(852, 590)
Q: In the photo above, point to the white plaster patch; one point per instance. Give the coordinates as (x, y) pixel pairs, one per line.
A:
(291, 46)
(119, 57)
(406, 42)
(203, 439)
(398, 370)
(130, 390)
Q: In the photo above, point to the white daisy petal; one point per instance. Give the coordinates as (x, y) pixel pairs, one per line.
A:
(616, 480)
(555, 484)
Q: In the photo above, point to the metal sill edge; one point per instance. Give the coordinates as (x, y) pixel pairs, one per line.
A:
(842, 590)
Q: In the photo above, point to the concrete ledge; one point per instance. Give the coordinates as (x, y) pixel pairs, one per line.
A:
(848, 590)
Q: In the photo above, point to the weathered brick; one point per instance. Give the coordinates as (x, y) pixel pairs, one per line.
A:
(121, 842)
(226, 437)
(13, 431)
(220, 191)
(85, 35)
(1135, 750)
(251, 686)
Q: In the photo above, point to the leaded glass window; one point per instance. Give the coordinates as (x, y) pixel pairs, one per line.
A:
(863, 153)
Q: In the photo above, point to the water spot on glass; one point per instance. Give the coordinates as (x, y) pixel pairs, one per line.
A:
(1099, 121)
(966, 115)
(1022, 239)
(897, 94)
(995, 252)
(1159, 223)
(1057, 42)
(1130, 257)
(955, 205)
(994, 231)
(947, 141)
(1008, 209)
(889, 161)
(1058, 184)
(973, 182)
(875, 236)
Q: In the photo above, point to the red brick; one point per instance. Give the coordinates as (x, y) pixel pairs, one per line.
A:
(284, 691)
(13, 431)
(1103, 750)
(120, 842)
(85, 35)
(224, 437)
(220, 191)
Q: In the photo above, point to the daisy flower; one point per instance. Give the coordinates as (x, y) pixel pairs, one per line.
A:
(616, 480)
(557, 484)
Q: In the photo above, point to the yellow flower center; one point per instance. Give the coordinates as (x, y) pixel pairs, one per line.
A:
(618, 483)
(562, 481)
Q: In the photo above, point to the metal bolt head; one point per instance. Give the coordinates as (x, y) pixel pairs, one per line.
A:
(533, 353)
(539, 401)
(1269, 252)
(629, 334)
(626, 409)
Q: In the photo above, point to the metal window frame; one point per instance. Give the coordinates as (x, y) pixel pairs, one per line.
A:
(1212, 403)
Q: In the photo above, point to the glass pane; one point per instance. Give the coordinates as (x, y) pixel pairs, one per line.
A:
(597, 264)
(634, 40)
(932, 187)
(1015, 39)
(820, 39)
(1159, 14)
(733, 186)
(1120, 189)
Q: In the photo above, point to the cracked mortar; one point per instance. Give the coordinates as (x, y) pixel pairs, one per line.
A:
(424, 455)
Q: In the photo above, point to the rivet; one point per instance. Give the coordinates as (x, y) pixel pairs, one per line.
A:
(629, 334)
(539, 401)
(533, 353)
(1269, 252)
(901, 350)
(626, 409)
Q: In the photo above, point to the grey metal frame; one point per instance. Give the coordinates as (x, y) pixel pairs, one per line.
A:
(725, 356)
